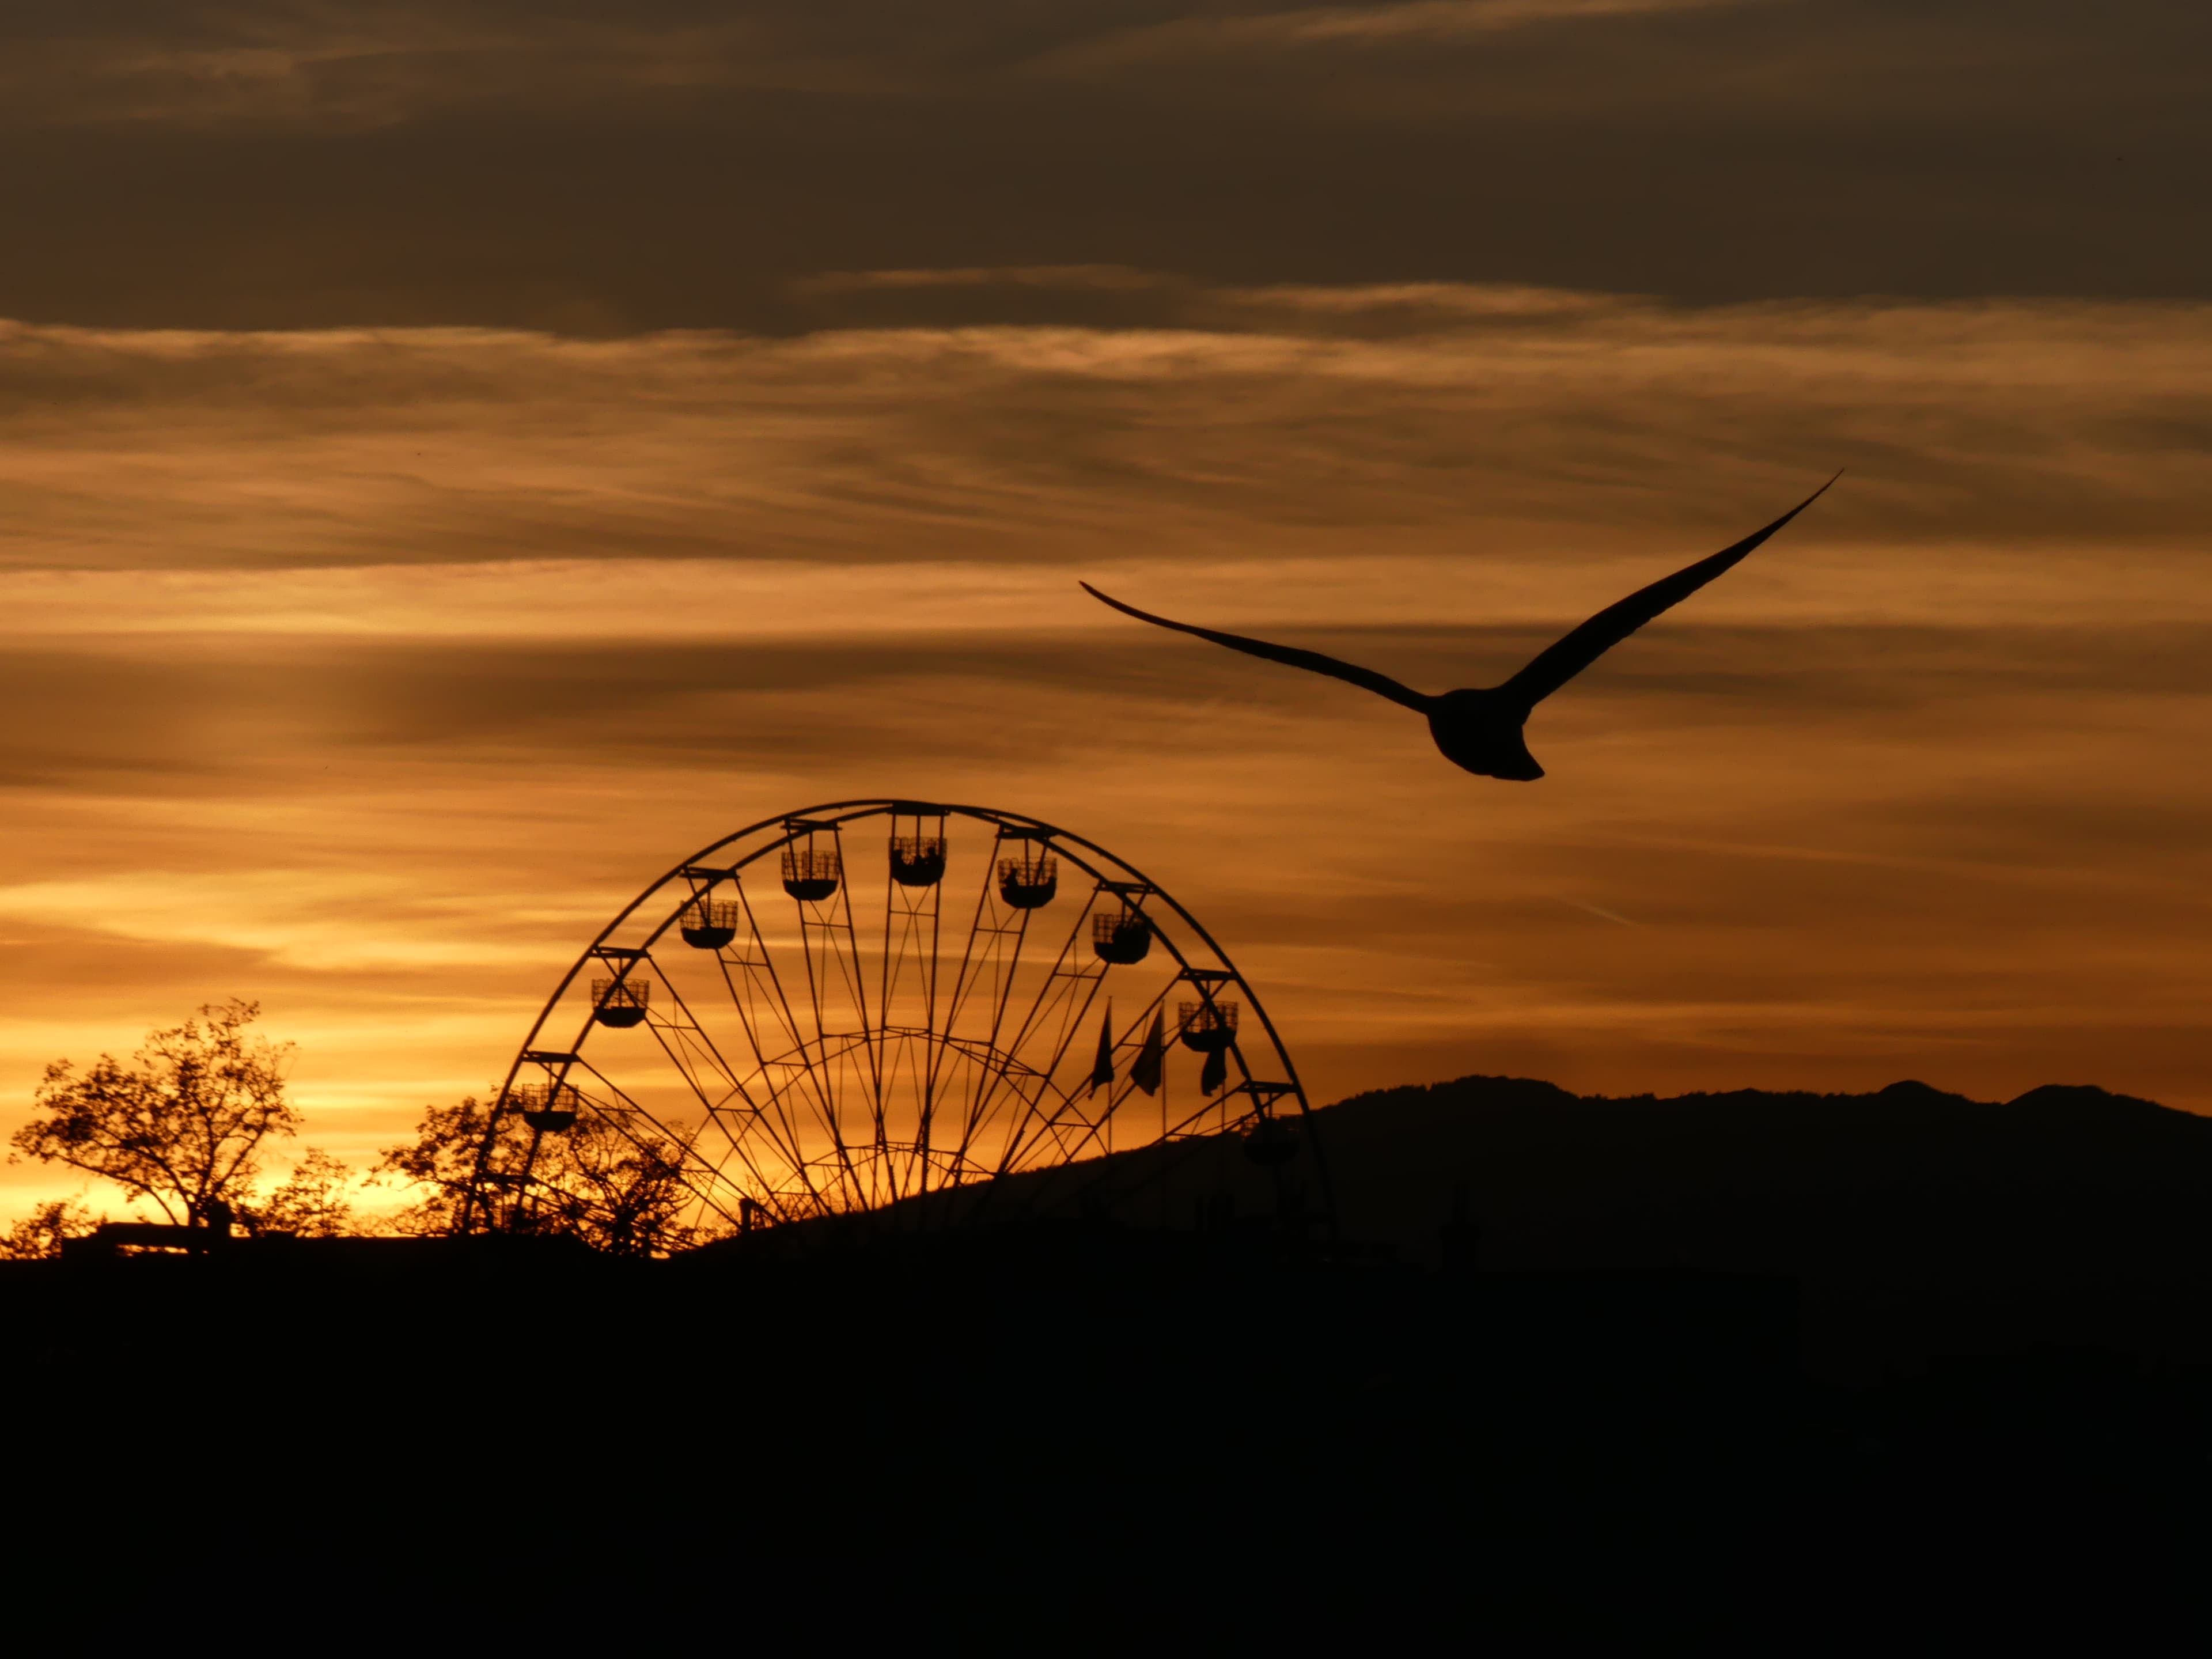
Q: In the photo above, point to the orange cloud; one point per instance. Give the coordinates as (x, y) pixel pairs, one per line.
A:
(367, 671)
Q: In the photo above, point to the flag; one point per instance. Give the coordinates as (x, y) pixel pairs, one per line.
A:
(1216, 1072)
(1101, 1069)
(1151, 1059)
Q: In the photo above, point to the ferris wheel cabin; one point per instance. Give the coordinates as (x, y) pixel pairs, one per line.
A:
(621, 1003)
(812, 865)
(710, 924)
(548, 1108)
(1121, 936)
(917, 844)
(1029, 879)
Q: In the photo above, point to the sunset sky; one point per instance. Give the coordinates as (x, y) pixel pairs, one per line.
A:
(459, 459)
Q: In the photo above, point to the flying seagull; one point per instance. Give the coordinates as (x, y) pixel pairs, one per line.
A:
(1480, 729)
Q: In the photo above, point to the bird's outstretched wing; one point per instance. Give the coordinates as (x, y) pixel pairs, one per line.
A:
(1558, 663)
(1381, 684)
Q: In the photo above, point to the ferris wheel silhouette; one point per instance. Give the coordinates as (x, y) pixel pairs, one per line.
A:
(847, 1008)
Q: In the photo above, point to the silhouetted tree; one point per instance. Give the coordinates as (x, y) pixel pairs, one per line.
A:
(311, 1203)
(41, 1235)
(620, 1192)
(440, 1162)
(182, 1129)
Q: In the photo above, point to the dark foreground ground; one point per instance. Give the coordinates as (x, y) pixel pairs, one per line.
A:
(1832, 1388)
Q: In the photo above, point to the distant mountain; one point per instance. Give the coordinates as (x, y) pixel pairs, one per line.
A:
(1753, 1179)
(1916, 1222)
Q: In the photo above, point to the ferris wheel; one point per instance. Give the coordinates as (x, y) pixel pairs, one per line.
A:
(849, 1008)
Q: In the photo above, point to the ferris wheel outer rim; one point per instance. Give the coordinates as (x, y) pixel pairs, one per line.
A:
(845, 812)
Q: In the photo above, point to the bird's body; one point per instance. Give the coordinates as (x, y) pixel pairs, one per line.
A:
(1481, 732)
(1480, 729)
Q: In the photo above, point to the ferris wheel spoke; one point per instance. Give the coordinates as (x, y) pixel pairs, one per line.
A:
(817, 1062)
(1062, 987)
(894, 954)
(1094, 1132)
(1131, 1043)
(827, 1092)
(1194, 1123)
(808, 927)
(926, 1072)
(762, 1190)
(735, 1128)
(955, 1004)
(822, 1084)
(733, 1149)
(715, 1108)
(1025, 1091)
(759, 963)
(674, 1037)
(775, 1120)
(964, 980)
(813, 1061)
(1001, 1080)
(1005, 958)
(1068, 991)
(1080, 996)
(842, 941)
(619, 1121)
(1179, 1141)
(1075, 1178)
(910, 940)
(696, 1030)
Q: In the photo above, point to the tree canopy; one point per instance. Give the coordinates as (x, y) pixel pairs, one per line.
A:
(619, 1189)
(41, 1235)
(183, 1128)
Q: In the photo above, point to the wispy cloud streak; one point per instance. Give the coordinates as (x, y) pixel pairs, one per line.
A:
(1316, 27)
(1294, 422)
(365, 670)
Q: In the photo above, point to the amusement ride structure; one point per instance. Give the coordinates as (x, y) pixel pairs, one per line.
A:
(846, 1009)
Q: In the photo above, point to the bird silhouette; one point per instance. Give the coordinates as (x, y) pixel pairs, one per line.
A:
(1480, 729)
